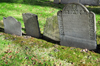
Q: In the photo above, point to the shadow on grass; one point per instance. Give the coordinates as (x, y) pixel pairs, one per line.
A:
(95, 10)
(98, 44)
(50, 40)
(44, 3)
(98, 49)
(1, 29)
(53, 41)
(44, 38)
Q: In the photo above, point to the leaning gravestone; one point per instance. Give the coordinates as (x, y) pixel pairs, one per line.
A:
(51, 29)
(77, 26)
(31, 24)
(12, 26)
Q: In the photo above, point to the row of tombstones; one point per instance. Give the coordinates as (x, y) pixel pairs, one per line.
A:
(12, 26)
(73, 26)
(85, 2)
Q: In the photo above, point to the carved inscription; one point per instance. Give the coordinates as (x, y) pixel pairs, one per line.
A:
(77, 26)
(73, 9)
(60, 23)
(91, 26)
(77, 17)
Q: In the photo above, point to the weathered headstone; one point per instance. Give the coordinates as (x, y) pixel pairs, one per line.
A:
(77, 26)
(51, 29)
(69, 1)
(56, 1)
(85, 2)
(31, 24)
(12, 26)
(89, 2)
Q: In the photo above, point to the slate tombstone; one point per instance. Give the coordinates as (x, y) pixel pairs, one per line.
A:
(77, 26)
(51, 29)
(12, 26)
(31, 24)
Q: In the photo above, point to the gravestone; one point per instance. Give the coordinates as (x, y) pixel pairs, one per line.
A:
(89, 2)
(31, 24)
(51, 29)
(85, 2)
(56, 1)
(12, 26)
(69, 1)
(77, 26)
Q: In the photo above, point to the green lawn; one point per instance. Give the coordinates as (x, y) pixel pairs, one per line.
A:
(16, 10)
(29, 51)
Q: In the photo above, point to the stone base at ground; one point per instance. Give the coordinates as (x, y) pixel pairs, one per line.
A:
(79, 43)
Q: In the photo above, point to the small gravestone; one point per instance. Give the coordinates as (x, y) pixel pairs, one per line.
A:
(51, 29)
(12, 26)
(31, 24)
(77, 26)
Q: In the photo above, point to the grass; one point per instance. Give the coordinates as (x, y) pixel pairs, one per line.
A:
(29, 51)
(16, 10)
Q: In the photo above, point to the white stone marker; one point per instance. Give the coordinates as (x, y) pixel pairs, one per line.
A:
(69, 1)
(12, 26)
(89, 2)
(56, 1)
(85, 2)
(77, 26)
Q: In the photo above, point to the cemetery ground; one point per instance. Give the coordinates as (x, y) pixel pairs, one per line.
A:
(28, 51)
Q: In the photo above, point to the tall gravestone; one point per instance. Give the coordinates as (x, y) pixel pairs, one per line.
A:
(69, 1)
(77, 26)
(31, 24)
(51, 29)
(12, 26)
(56, 1)
(85, 2)
(90, 2)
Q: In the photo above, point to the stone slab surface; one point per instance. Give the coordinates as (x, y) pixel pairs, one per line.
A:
(69, 1)
(77, 25)
(56, 1)
(51, 29)
(85, 2)
(90, 2)
(31, 24)
(12, 26)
